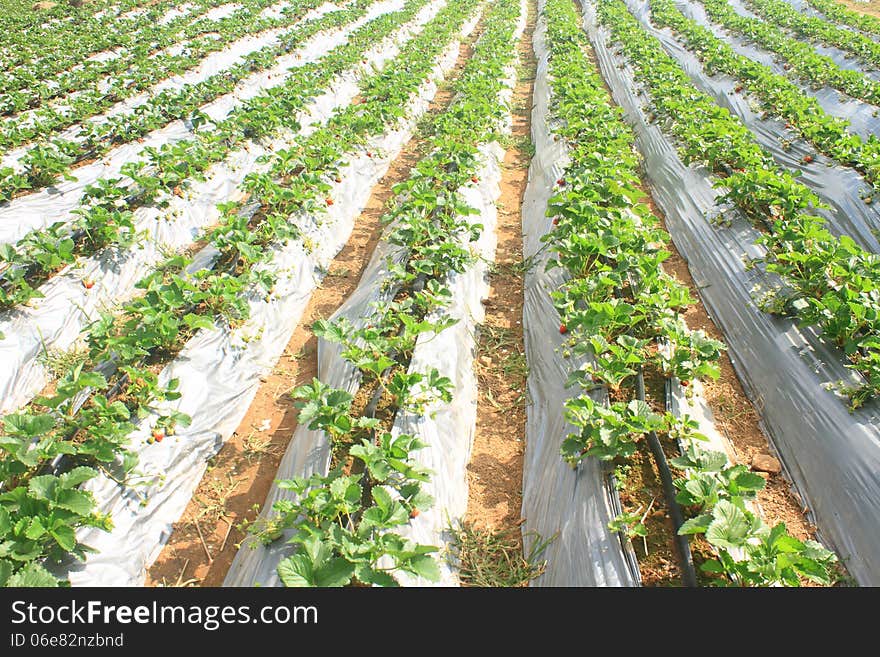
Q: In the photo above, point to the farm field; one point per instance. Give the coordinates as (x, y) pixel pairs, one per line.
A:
(344, 293)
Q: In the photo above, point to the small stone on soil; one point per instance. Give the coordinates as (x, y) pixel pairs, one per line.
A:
(766, 463)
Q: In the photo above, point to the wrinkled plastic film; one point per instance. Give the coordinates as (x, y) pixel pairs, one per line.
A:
(863, 117)
(47, 206)
(837, 186)
(572, 505)
(212, 64)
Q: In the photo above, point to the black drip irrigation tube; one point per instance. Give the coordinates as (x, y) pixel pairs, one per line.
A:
(688, 572)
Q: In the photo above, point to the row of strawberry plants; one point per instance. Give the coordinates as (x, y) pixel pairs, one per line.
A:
(817, 29)
(105, 215)
(344, 524)
(44, 162)
(846, 16)
(829, 282)
(48, 120)
(624, 313)
(801, 59)
(28, 85)
(66, 35)
(779, 96)
(177, 302)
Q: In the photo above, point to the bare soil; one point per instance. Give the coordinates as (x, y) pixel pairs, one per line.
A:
(495, 468)
(871, 7)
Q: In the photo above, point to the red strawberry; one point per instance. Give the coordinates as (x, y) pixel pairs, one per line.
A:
(560, 182)
(563, 329)
(414, 513)
(158, 435)
(369, 153)
(685, 383)
(808, 159)
(474, 179)
(555, 221)
(329, 201)
(88, 283)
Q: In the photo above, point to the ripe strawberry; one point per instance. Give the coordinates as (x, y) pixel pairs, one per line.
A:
(329, 201)
(474, 179)
(555, 221)
(369, 153)
(158, 435)
(563, 329)
(414, 513)
(88, 283)
(738, 88)
(685, 383)
(560, 182)
(808, 159)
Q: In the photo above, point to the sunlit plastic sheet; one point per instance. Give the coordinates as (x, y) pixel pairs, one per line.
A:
(56, 321)
(844, 58)
(211, 65)
(837, 186)
(219, 371)
(448, 435)
(574, 505)
(56, 203)
(864, 118)
(831, 455)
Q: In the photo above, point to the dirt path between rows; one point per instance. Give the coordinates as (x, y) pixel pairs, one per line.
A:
(205, 539)
(496, 466)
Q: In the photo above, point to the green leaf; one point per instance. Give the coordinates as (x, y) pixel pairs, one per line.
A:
(382, 498)
(425, 566)
(31, 576)
(23, 424)
(696, 525)
(36, 529)
(812, 570)
(336, 572)
(296, 571)
(76, 477)
(196, 322)
(43, 487)
(5, 572)
(78, 501)
(366, 575)
(65, 536)
(750, 481)
(729, 527)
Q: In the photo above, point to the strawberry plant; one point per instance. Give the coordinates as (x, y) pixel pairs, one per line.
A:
(821, 274)
(817, 70)
(343, 524)
(622, 313)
